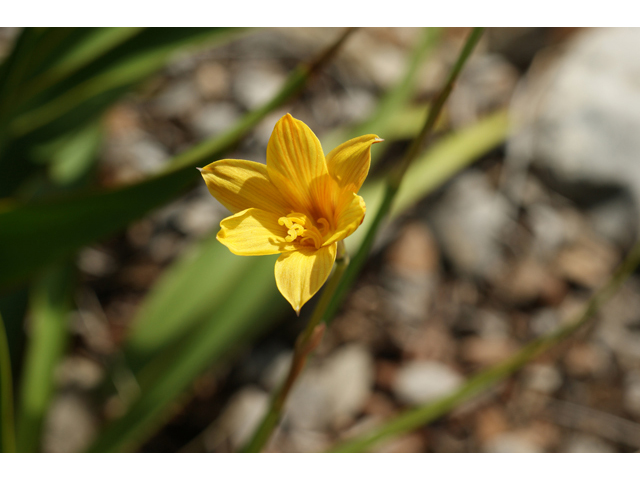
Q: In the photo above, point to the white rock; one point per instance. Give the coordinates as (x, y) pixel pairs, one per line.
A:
(423, 381)
(578, 116)
(333, 393)
(255, 85)
(70, 425)
(469, 221)
(239, 420)
(542, 378)
(511, 442)
(215, 118)
(632, 393)
(582, 443)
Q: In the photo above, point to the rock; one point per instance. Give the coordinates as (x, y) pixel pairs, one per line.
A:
(631, 397)
(238, 421)
(214, 118)
(468, 221)
(578, 117)
(527, 281)
(485, 85)
(586, 262)
(485, 352)
(410, 443)
(70, 425)
(419, 382)
(549, 230)
(78, 372)
(199, 218)
(587, 359)
(616, 219)
(433, 342)
(542, 378)
(544, 321)
(583, 443)
(277, 370)
(178, 99)
(96, 262)
(621, 330)
(410, 274)
(255, 84)
(212, 80)
(512, 442)
(148, 155)
(331, 394)
(490, 422)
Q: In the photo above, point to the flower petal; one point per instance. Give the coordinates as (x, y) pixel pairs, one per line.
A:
(301, 273)
(350, 213)
(349, 163)
(296, 166)
(241, 184)
(254, 232)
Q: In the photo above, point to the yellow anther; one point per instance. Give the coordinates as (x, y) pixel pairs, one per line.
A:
(296, 223)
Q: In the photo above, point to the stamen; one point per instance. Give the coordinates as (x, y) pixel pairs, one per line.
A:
(296, 222)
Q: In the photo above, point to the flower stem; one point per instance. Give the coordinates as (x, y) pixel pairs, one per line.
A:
(306, 343)
(7, 428)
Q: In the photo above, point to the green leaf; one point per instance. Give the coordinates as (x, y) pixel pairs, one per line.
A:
(50, 307)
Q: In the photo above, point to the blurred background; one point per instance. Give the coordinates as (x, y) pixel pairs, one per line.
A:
(129, 328)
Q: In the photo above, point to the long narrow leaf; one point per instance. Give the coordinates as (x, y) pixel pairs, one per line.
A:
(50, 306)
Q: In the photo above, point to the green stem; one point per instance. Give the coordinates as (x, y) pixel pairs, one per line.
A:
(395, 178)
(420, 416)
(7, 421)
(306, 343)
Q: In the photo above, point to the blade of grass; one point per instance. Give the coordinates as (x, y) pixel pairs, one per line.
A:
(50, 306)
(7, 426)
(427, 413)
(35, 234)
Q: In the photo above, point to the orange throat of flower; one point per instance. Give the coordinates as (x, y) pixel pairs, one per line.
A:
(300, 229)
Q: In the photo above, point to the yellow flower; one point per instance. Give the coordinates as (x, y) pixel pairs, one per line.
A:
(299, 205)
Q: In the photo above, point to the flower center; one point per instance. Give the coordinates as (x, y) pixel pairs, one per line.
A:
(300, 228)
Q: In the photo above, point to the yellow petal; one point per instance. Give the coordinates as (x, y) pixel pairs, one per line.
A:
(301, 273)
(350, 213)
(241, 184)
(253, 232)
(349, 163)
(297, 167)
